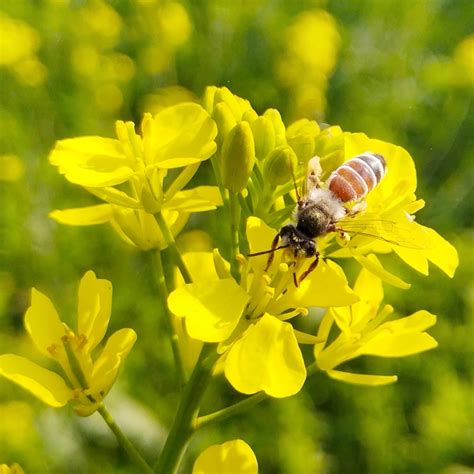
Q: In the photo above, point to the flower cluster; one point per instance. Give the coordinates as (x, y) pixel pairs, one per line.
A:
(86, 379)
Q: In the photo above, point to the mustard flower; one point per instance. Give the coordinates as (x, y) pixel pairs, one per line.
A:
(249, 319)
(388, 223)
(13, 469)
(86, 378)
(132, 173)
(362, 331)
(234, 456)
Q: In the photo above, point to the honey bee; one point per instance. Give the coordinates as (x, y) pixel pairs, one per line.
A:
(323, 206)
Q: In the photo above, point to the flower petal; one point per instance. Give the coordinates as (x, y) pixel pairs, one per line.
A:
(94, 307)
(202, 198)
(43, 324)
(180, 135)
(362, 379)
(260, 236)
(398, 345)
(212, 308)
(372, 264)
(107, 365)
(49, 387)
(92, 161)
(234, 456)
(90, 215)
(325, 286)
(267, 357)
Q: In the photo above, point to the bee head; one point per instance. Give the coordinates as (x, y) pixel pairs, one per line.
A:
(309, 248)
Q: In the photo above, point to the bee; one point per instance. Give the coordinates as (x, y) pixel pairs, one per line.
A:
(322, 207)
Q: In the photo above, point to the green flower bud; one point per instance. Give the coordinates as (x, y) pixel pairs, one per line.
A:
(275, 118)
(264, 135)
(238, 157)
(224, 119)
(301, 136)
(279, 165)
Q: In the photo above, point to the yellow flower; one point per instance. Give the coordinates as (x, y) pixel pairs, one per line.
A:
(14, 469)
(389, 215)
(234, 456)
(362, 331)
(86, 379)
(249, 318)
(181, 136)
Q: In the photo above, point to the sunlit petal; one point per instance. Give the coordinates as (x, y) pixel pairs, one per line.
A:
(95, 303)
(49, 387)
(43, 324)
(267, 358)
(234, 457)
(90, 215)
(362, 379)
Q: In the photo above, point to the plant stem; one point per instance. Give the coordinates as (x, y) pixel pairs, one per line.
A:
(124, 441)
(184, 423)
(232, 410)
(169, 239)
(163, 291)
(234, 209)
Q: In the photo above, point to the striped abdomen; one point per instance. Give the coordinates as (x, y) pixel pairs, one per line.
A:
(356, 177)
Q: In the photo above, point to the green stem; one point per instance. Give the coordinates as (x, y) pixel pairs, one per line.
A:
(124, 441)
(169, 239)
(232, 410)
(183, 425)
(163, 291)
(234, 233)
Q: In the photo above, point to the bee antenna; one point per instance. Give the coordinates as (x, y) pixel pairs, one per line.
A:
(298, 197)
(267, 251)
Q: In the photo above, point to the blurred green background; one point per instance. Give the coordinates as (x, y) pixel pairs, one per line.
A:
(398, 70)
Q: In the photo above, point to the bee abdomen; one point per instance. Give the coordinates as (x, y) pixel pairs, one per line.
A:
(357, 177)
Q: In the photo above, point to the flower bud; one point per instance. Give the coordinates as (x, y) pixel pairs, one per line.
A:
(264, 135)
(301, 136)
(208, 99)
(224, 119)
(329, 145)
(279, 165)
(275, 118)
(238, 157)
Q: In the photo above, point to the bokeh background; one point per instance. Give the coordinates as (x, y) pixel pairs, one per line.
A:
(398, 70)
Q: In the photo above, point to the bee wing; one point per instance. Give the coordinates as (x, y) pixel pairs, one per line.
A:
(393, 232)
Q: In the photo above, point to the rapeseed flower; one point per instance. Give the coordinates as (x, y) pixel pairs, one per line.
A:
(362, 330)
(86, 378)
(132, 174)
(249, 318)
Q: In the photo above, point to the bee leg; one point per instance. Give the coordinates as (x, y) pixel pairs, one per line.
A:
(295, 280)
(311, 268)
(272, 253)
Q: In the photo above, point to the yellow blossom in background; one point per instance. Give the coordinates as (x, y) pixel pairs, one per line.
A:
(234, 457)
(312, 43)
(18, 48)
(11, 168)
(13, 469)
(87, 375)
(362, 330)
(181, 136)
(260, 349)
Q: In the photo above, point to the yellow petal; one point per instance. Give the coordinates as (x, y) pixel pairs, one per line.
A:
(413, 257)
(95, 302)
(90, 215)
(180, 135)
(325, 286)
(398, 345)
(43, 324)
(212, 309)
(92, 161)
(200, 265)
(202, 198)
(107, 365)
(362, 379)
(49, 387)
(260, 237)
(373, 264)
(268, 358)
(234, 457)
